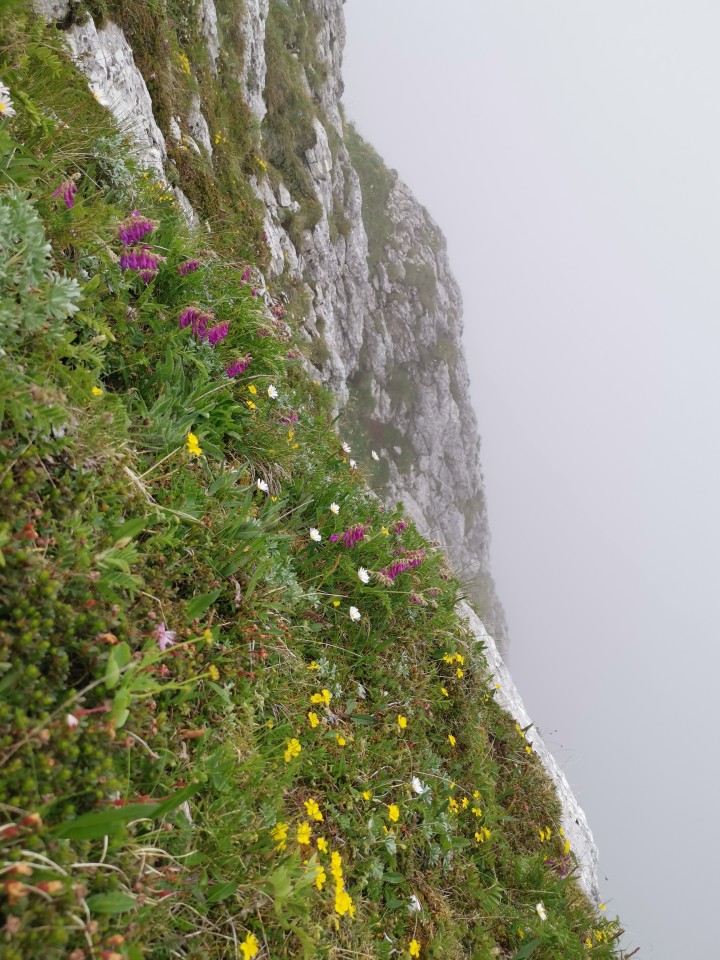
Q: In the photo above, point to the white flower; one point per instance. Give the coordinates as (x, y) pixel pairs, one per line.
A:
(354, 613)
(346, 447)
(315, 534)
(541, 910)
(374, 455)
(272, 392)
(352, 464)
(363, 575)
(414, 906)
(361, 692)
(6, 104)
(334, 508)
(419, 787)
(71, 720)
(261, 485)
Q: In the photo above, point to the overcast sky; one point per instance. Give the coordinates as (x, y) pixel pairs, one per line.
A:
(571, 153)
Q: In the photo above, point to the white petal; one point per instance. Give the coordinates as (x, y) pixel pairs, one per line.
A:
(363, 575)
(352, 464)
(261, 485)
(374, 455)
(334, 508)
(315, 534)
(272, 392)
(71, 720)
(414, 906)
(346, 447)
(354, 613)
(541, 911)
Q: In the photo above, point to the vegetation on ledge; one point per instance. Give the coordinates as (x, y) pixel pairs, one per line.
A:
(239, 716)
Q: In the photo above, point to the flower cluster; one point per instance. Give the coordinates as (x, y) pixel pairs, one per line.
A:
(143, 260)
(67, 191)
(135, 229)
(189, 266)
(238, 366)
(352, 536)
(199, 320)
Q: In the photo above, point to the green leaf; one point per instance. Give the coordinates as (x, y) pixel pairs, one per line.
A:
(364, 719)
(120, 708)
(396, 904)
(120, 657)
(221, 891)
(94, 826)
(198, 605)
(394, 878)
(131, 528)
(527, 950)
(115, 902)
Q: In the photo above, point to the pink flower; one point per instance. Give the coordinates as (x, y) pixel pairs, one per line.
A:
(238, 366)
(165, 638)
(67, 191)
(71, 720)
(135, 228)
(188, 267)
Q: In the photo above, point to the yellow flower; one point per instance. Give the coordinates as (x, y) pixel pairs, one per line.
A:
(185, 67)
(292, 750)
(336, 865)
(341, 741)
(313, 666)
(454, 805)
(402, 721)
(477, 811)
(465, 803)
(193, 445)
(367, 794)
(251, 405)
(97, 392)
(444, 692)
(343, 902)
(459, 674)
(313, 810)
(304, 832)
(213, 672)
(459, 658)
(313, 718)
(336, 603)
(588, 943)
(476, 794)
(602, 907)
(521, 934)
(528, 748)
(250, 947)
(320, 877)
(414, 948)
(279, 834)
(252, 388)
(385, 532)
(322, 844)
(208, 635)
(324, 697)
(393, 812)
(451, 740)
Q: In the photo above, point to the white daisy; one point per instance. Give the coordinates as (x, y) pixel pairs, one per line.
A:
(418, 786)
(6, 105)
(352, 464)
(363, 575)
(334, 508)
(315, 534)
(354, 613)
(272, 392)
(540, 907)
(346, 447)
(374, 455)
(261, 485)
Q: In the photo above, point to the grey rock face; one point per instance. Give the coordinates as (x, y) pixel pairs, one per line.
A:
(574, 821)
(198, 126)
(51, 9)
(209, 27)
(254, 66)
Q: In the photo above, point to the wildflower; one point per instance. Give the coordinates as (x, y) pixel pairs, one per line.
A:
(451, 740)
(454, 805)
(346, 447)
(66, 190)
(602, 907)
(444, 692)
(71, 721)
(419, 787)
(464, 803)
(541, 912)
(279, 834)
(272, 392)
(393, 812)
(292, 750)
(459, 673)
(313, 810)
(320, 877)
(322, 844)
(354, 613)
(343, 902)
(566, 847)
(217, 333)
(189, 266)
(238, 366)
(165, 638)
(334, 508)
(197, 319)
(250, 947)
(208, 635)
(336, 603)
(336, 866)
(185, 68)
(146, 263)
(262, 486)
(363, 575)
(324, 697)
(315, 534)
(352, 463)
(528, 748)
(521, 934)
(354, 535)
(252, 388)
(313, 719)
(193, 445)
(341, 741)
(97, 392)
(304, 833)
(213, 672)
(414, 906)
(402, 721)
(414, 948)
(476, 812)
(6, 105)
(251, 405)
(134, 229)
(367, 794)
(384, 531)
(374, 455)
(313, 665)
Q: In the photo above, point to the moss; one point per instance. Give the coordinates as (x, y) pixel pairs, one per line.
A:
(376, 184)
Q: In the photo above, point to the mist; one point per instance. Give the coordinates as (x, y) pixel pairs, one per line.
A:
(570, 154)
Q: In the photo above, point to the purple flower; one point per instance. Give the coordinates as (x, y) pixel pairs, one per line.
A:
(135, 228)
(293, 418)
(334, 538)
(293, 354)
(412, 559)
(67, 191)
(255, 293)
(239, 366)
(190, 266)
(354, 535)
(217, 333)
(246, 276)
(400, 526)
(165, 638)
(197, 319)
(143, 260)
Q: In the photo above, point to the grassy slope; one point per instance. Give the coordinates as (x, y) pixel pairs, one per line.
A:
(152, 827)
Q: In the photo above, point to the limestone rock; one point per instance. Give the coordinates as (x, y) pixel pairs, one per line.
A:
(254, 65)
(209, 29)
(198, 126)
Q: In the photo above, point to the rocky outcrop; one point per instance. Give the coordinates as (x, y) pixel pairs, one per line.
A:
(254, 66)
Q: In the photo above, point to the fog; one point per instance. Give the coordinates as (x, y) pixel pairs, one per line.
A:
(571, 154)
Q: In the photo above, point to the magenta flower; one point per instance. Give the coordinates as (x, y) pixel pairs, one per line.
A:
(246, 276)
(165, 638)
(238, 366)
(67, 191)
(334, 538)
(190, 266)
(197, 319)
(143, 260)
(400, 526)
(135, 228)
(217, 333)
(354, 535)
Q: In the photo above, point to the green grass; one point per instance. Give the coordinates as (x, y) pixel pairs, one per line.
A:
(145, 792)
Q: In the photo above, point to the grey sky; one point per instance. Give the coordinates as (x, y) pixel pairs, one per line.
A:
(571, 153)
